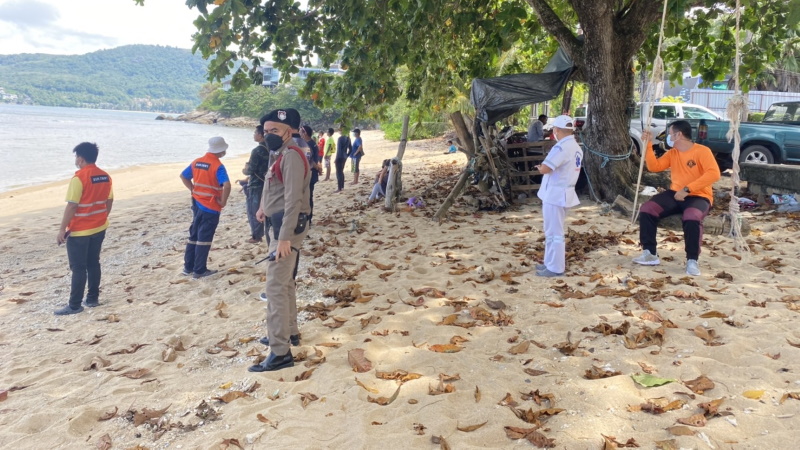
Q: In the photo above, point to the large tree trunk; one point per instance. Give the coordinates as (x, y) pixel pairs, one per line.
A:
(613, 32)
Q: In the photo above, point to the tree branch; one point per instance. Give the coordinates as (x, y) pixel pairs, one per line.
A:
(637, 23)
(555, 26)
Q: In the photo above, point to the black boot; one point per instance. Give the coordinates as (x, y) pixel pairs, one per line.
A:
(273, 362)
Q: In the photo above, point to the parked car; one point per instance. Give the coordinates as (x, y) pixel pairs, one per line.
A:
(663, 114)
(775, 139)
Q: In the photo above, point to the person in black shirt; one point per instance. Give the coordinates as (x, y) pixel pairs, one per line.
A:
(256, 167)
(343, 149)
(314, 160)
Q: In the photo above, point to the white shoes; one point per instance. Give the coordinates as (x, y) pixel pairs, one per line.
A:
(648, 259)
(692, 268)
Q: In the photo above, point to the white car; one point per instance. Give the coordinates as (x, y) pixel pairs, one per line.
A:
(665, 113)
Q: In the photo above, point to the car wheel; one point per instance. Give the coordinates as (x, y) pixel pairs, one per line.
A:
(757, 154)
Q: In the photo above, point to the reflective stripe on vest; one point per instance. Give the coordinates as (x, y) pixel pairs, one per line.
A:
(92, 211)
(207, 190)
(277, 163)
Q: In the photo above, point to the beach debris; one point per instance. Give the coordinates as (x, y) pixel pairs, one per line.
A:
(708, 335)
(445, 348)
(658, 405)
(534, 372)
(3, 396)
(754, 394)
(146, 415)
(596, 373)
(646, 338)
(306, 398)
(398, 375)
(680, 430)
(477, 395)
(568, 347)
(382, 266)
(428, 292)
(788, 395)
(226, 443)
(520, 348)
(206, 412)
(420, 301)
(668, 444)
(419, 428)
(606, 329)
(611, 442)
(695, 420)
(358, 361)
(540, 398)
(263, 419)
(700, 384)
(230, 396)
(495, 304)
(305, 375)
(441, 442)
(442, 387)
(647, 380)
(371, 320)
(132, 349)
(383, 401)
(366, 388)
(135, 374)
(108, 415)
(714, 314)
(169, 355)
(531, 435)
(104, 443)
(96, 363)
(337, 322)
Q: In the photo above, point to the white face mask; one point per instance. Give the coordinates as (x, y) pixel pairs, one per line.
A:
(670, 142)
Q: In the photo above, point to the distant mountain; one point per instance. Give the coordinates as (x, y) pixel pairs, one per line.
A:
(132, 77)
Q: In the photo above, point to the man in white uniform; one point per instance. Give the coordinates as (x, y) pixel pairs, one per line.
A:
(561, 169)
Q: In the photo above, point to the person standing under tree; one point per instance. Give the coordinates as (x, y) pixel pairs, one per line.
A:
(207, 180)
(356, 153)
(329, 150)
(561, 169)
(256, 167)
(83, 227)
(314, 161)
(343, 149)
(693, 170)
(286, 206)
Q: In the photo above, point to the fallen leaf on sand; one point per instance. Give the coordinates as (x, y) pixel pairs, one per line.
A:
(306, 398)
(669, 444)
(383, 401)
(104, 443)
(534, 372)
(495, 304)
(650, 380)
(611, 443)
(714, 314)
(108, 415)
(445, 348)
(699, 384)
(398, 375)
(754, 395)
(520, 348)
(681, 431)
(230, 396)
(358, 361)
(534, 437)
(596, 373)
(478, 394)
(471, 427)
(135, 374)
(429, 292)
(788, 395)
(697, 420)
(439, 440)
(368, 389)
(228, 442)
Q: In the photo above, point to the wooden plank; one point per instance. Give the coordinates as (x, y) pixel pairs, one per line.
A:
(531, 145)
(526, 187)
(522, 174)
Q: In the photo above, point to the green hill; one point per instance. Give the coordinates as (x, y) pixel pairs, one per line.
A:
(132, 77)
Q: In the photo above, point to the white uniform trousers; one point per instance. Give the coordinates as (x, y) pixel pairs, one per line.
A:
(554, 246)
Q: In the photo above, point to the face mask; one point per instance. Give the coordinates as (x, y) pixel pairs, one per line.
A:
(274, 142)
(670, 142)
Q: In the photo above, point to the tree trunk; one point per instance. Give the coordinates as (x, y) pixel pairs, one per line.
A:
(394, 185)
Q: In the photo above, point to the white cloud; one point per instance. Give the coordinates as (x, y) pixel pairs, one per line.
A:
(83, 26)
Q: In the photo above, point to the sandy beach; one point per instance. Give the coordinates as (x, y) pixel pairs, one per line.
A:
(461, 346)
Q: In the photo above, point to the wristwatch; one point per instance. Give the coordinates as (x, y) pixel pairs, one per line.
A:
(686, 189)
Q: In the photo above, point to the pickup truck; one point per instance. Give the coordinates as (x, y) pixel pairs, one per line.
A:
(663, 114)
(774, 140)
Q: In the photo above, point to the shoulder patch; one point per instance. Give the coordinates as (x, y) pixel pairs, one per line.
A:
(202, 165)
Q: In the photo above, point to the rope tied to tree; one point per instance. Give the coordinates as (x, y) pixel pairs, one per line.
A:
(654, 91)
(607, 157)
(737, 111)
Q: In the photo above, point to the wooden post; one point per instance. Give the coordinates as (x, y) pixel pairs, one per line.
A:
(455, 193)
(464, 136)
(394, 185)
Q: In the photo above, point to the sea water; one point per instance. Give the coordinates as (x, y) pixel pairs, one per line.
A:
(36, 142)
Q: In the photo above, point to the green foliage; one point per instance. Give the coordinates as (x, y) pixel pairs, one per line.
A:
(134, 77)
(755, 117)
(671, 99)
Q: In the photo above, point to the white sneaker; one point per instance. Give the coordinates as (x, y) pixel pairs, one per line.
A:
(263, 297)
(647, 259)
(692, 268)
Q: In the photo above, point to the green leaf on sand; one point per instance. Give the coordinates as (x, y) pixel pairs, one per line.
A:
(650, 381)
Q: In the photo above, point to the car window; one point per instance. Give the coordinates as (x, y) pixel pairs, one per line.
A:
(663, 112)
(691, 112)
(782, 113)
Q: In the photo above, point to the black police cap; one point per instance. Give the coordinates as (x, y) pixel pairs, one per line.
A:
(287, 116)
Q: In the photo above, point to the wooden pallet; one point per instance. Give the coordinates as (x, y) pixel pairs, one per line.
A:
(528, 153)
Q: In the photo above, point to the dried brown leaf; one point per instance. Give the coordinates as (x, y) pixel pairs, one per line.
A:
(470, 427)
(520, 348)
(108, 415)
(383, 401)
(697, 420)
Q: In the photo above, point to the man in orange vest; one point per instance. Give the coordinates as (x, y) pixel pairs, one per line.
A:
(83, 227)
(285, 206)
(207, 180)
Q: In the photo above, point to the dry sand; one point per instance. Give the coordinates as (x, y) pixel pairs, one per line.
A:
(63, 378)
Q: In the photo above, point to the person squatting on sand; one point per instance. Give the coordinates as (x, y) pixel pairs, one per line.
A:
(256, 167)
(561, 169)
(83, 227)
(207, 180)
(285, 207)
(381, 179)
(693, 170)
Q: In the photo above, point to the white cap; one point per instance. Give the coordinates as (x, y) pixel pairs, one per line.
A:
(564, 122)
(217, 145)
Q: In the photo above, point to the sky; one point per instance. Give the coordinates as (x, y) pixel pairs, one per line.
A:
(75, 27)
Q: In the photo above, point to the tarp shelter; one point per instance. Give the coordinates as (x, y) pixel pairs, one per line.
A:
(497, 98)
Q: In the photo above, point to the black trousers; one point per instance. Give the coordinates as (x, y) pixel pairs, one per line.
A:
(693, 210)
(201, 234)
(340, 172)
(84, 261)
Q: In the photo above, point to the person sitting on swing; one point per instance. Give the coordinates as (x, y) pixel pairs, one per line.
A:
(693, 170)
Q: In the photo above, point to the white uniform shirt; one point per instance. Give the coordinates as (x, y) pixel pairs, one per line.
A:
(558, 186)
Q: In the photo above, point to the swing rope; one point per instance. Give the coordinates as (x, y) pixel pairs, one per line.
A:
(653, 94)
(737, 111)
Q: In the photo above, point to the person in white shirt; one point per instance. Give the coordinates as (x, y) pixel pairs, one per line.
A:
(536, 130)
(561, 169)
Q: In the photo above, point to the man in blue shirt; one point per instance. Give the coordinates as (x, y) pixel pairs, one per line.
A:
(536, 130)
(356, 153)
(207, 180)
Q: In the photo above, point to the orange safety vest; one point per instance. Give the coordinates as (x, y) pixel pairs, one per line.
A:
(207, 190)
(92, 209)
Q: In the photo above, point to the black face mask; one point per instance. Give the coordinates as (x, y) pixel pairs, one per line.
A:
(273, 141)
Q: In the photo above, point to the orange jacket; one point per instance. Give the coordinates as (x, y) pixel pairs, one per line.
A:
(92, 209)
(695, 168)
(207, 190)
